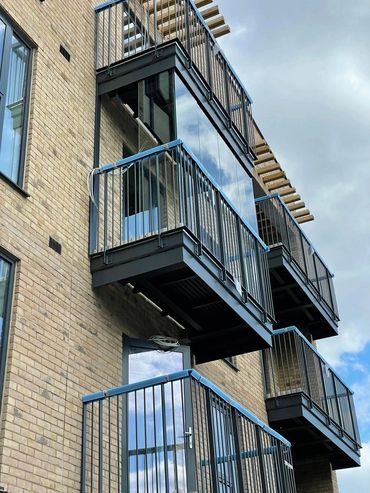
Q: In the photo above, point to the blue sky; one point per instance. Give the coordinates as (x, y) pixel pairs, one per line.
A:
(307, 67)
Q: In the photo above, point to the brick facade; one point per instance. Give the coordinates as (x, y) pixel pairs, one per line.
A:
(65, 337)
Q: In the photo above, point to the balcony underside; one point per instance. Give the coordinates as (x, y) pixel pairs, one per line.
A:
(310, 431)
(172, 56)
(191, 287)
(296, 302)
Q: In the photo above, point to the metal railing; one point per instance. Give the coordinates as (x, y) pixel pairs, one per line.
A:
(166, 188)
(179, 433)
(294, 365)
(278, 227)
(125, 28)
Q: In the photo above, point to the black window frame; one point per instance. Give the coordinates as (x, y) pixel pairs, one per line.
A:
(12, 28)
(4, 342)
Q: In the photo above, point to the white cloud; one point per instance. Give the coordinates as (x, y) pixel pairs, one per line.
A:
(353, 339)
(356, 480)
(362, 401)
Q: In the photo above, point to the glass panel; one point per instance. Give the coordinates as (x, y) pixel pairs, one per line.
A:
(4, 288)
(145, 364)
(14, 110)
(2, 37)
(196, 130)
(156, 424)
(144, 112)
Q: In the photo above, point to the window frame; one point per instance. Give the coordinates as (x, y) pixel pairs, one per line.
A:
(12, 261)
(12, 28)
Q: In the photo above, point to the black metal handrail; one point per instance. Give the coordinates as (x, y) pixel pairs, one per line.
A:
(125, 28)
(179, 433)
(277, 227)
(294, 365)
(167, 188)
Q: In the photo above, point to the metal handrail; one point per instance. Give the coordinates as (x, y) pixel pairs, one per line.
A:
(294, 365)
(126, 28)
(166, 188)
(278, 226)
(179, 432)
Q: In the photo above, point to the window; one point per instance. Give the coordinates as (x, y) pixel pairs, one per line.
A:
(6, 284)
(15, 61)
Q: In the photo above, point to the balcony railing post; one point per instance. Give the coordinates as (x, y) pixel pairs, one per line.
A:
(83, 449)
(286, 229)
(227, 93)
(245, 122)
(164, 434)
(304, 259)
(109, 36)
(339, 409)
(322, 367)
(188, 410)
(209, 65)
(188, 33)
(260, 276)
(260, 460)
(220, 230)
(238, 452)
(304, 356)
(198, 225)
(356, 433)
(241, 255)
(211, 440)
(100, 447)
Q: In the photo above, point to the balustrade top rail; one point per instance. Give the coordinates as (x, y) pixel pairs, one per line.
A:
(166, 188)
(179, 432)
(277, 226)
(125, 28)
(294, 365)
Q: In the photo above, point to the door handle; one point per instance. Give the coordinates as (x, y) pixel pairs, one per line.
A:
(188, 435)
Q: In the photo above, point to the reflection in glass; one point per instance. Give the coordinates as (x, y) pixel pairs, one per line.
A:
(145, 364)
(146, 112)
(2, 37)
(4, 288)
(196, 130)
(156, 444)
(11, 140)
(159, 109)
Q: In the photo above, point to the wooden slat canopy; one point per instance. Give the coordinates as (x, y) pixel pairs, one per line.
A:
(272, 178)
(209, 10)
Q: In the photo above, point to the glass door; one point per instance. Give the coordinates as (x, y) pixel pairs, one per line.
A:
(157, 420)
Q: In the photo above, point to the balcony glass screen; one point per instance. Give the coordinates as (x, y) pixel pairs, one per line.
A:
(160, 109)
(196, 130)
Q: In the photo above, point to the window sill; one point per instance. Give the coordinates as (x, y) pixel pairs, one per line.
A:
(14, 185)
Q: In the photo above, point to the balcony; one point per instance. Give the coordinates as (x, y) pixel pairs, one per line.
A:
(160, 223)
(302, 285)
(179, 433)
(308, 402)
(145, 33)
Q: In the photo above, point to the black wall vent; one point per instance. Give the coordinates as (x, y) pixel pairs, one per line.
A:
(55, 245)
(65, 53)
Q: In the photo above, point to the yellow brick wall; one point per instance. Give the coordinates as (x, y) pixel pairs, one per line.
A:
(66, 338)
(315, 477)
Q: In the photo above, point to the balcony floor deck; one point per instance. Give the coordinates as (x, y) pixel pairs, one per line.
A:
(310, 431)
(295, 301)
(190, 287)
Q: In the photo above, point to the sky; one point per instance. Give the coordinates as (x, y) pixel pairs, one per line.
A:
(307, 67)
